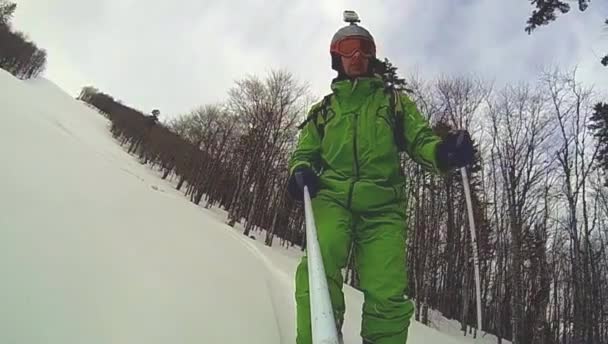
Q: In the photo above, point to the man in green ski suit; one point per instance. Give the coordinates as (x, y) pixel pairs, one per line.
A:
(348, 156)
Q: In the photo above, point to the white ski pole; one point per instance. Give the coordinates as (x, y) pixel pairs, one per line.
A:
(321, 312)
(467, 194)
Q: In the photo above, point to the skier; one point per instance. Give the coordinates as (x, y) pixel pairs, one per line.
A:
(348, 157)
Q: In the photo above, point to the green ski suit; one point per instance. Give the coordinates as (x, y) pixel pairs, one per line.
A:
(361, 201)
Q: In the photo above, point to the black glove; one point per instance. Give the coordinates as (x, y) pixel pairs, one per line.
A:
(456, 150)
(303, 176)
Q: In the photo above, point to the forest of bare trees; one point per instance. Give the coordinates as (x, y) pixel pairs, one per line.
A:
(539, 194)
(18, 55)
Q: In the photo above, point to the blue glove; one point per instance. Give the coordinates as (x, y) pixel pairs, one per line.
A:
(456, 150)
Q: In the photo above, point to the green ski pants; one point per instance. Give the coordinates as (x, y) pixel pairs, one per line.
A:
(379, 250)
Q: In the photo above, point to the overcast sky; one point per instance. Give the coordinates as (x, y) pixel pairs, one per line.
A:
(175, 55)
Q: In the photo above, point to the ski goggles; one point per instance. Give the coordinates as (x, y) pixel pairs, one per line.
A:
(347, 47)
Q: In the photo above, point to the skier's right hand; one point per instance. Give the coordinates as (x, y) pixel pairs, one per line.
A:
(303, 176)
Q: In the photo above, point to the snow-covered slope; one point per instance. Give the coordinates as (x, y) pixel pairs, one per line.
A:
(95, 248)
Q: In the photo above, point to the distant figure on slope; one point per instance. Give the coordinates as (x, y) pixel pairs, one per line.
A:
(348, 155)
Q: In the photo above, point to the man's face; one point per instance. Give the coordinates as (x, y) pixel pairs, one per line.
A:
(356, 65)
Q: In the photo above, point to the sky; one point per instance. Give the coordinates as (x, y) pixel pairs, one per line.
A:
(177, 55)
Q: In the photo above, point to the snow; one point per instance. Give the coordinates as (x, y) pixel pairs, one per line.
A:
(96, 248)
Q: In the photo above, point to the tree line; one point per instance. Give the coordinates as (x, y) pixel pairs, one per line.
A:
(18, 55)
(540, 196)
(232, 155)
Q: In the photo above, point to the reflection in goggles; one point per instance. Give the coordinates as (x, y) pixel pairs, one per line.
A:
(347, 47)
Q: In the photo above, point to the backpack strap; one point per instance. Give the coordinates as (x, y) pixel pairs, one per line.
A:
(396, 114)
(321, 109)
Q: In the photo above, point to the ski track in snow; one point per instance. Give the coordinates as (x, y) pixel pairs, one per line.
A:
(96, 248)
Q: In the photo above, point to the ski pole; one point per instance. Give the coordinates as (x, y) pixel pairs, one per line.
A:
(467, 193)
(323, 323)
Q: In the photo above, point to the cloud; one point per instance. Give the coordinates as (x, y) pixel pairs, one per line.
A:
(489, 39)
(177, 55)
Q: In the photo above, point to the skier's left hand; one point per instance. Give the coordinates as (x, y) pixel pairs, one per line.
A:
(456, 150)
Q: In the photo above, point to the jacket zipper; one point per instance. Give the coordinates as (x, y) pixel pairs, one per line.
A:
(356, 157)
(355, 163)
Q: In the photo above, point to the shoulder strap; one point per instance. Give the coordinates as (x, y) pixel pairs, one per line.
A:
(395, 111)
(322, 110)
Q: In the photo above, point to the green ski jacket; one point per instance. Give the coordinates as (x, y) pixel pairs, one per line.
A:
(354, 143)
